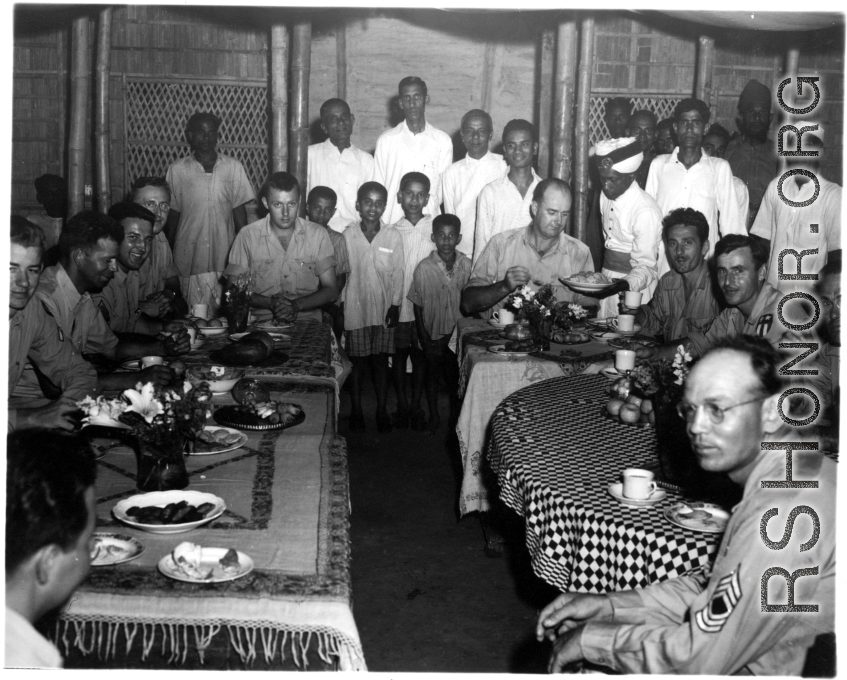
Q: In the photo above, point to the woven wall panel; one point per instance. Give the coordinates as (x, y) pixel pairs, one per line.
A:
(157, 111)
(662, 106)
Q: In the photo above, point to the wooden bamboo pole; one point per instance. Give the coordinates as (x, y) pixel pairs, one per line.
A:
(60, 95)
(545, 100)
(279, 98)
(80, 92)
(341, 60)
(301, 60)
(563, 117)
(705, 69)
(101, 124)
(581, 134)
(486, 96)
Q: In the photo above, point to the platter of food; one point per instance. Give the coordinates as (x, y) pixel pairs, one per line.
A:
(108, 549)
(192, 563)
(512, 349)
(273, 326)
(570, 337)
(169, 512)
(263, 415)
(706, 517)
(587, 282)
(213, 440)
(630, 342)
(135, 364)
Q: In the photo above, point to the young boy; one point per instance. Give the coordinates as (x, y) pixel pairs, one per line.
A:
(414, 229)
(436, 293)
(320, 208)
(371, 300)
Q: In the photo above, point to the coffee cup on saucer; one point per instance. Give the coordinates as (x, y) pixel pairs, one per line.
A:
(504, 317)
(638, 484)
(624, 322)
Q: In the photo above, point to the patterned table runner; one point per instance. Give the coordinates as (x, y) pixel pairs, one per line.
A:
(555, 455)
(287, 508)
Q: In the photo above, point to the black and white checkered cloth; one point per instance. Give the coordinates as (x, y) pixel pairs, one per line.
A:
(555, 455)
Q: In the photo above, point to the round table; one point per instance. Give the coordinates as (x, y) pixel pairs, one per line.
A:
(555, 454)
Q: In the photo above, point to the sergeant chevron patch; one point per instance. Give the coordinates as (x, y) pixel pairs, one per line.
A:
(714, 615)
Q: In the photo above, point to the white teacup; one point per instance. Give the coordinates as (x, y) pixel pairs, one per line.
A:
(192, 334)
(504, 317)
(147, 362)
(638, 484)
(200, 310)
(632, 299)
(624, 322)
(624, 360)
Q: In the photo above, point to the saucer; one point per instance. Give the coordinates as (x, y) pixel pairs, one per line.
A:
(611, 373)
(497, 324)
(616, 492)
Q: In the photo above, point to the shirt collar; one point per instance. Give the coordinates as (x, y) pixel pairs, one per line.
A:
(702, 281)
(561, 244)
(64, 283)
(629, 196)
(407, 131)
(329, 146)
(475, 161)
(268, 230)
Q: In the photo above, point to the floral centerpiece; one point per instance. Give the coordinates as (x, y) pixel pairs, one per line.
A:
(543, 313)
(239, 290)
(668, 377)
(161, 421)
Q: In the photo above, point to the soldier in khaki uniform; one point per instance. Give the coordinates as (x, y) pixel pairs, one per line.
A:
(715, 624)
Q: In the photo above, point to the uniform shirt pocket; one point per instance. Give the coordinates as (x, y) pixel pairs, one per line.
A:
(307, 282)
(383, 258)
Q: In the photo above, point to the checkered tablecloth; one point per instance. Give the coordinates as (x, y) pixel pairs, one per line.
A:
(555, 455)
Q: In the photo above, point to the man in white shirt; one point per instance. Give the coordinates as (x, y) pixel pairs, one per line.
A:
(787, 227)
(688, 178)
(49, 521)
(338, 164)
(632, 223)
(464, 180)
(504, 203)
(714, 145)
(414, 145)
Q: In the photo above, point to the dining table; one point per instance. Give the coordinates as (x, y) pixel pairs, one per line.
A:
(486, 378)
(555, 453)
(287, 508)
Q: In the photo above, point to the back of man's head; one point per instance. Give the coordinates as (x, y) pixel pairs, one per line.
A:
(85, 229)
(47, 475)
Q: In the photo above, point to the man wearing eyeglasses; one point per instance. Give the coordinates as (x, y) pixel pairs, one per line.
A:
(715, 624)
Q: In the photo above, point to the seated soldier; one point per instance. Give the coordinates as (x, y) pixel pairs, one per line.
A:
(292, 259)
(717, 624)
(683, 303)
(530, 256)
(34, 336)
(750, 301)
(120, 301)
(50, 517)
(88, 250)
(158, 275)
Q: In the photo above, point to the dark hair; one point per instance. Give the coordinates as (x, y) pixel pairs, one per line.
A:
(415, 177)
(367, 187)
(665, 124)
(691, 104)
(644, 112)
(50, 183)
(520, 124)
(618, 102)
(47, 475)
(26, 234)
(689, 217)
(329, 103)
(477, 113)
(446, 220)
(201, 117)
(831, 268)
(411, 80)
(764, 359)
(731, 242)
(142, 182)
(279, 181)
(541, 187)
(85, 229)
(127, 209)
(322, 192)
(718, 130)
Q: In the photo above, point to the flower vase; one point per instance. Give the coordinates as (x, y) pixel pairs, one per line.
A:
(161, 465)
(543, 330)
(238, 312)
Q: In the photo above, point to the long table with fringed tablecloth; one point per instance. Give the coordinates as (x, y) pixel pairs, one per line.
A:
(555, 454)
(287, 508)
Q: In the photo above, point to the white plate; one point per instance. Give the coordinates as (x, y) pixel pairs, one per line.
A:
(271, 326)
(242, 439)
(161, 499)
(616, 492)
(135, 364)
(109, 549)
(497, 324)
(714, 524)
(585, 287)
(611, 373)
(212, 330)
(501, 349)
(210, 559)
(607, 325)
(278, 337)
(605, 337)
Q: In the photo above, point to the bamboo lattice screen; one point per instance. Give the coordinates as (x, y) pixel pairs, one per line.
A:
(662, 106)
(156, 112)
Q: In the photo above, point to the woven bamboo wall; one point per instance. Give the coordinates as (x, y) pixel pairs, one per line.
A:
(465, 58)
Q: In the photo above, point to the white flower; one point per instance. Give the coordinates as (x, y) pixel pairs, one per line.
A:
(517, 302)
(144, 402)
(186, 387)
(528, 293)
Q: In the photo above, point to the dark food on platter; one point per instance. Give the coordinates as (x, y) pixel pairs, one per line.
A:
(172, 513)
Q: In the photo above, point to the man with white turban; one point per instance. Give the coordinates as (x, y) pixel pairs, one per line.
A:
(632, 224)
